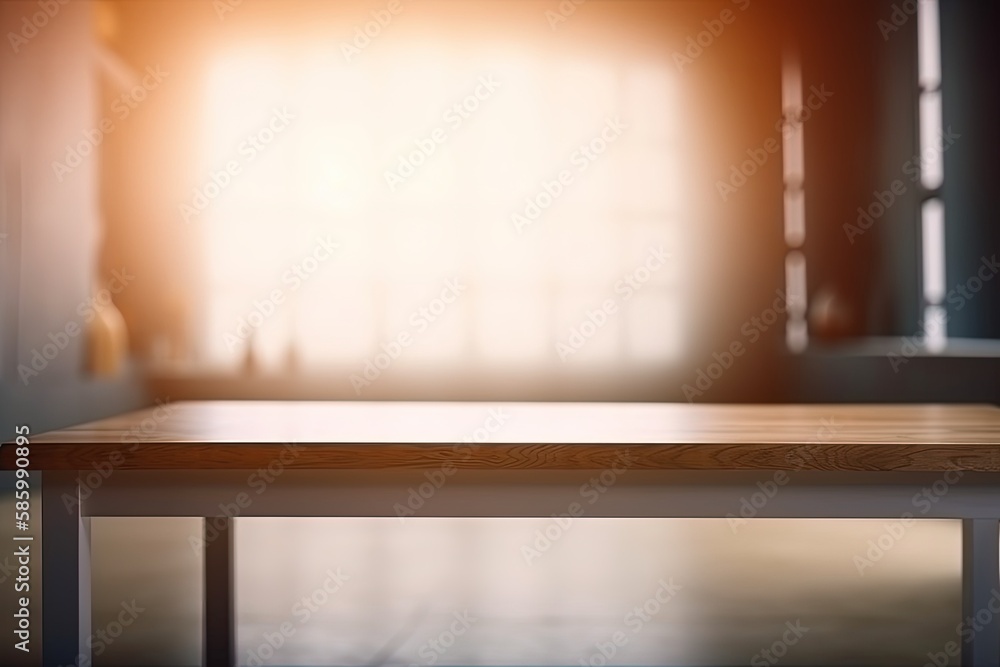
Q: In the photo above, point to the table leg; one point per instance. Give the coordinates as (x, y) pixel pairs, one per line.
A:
(65, 572)
(980, 592)
(220, 613)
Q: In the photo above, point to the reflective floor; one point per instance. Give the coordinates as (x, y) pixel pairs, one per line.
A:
(531, 592)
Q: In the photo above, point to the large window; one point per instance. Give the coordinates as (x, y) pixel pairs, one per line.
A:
(495, 209)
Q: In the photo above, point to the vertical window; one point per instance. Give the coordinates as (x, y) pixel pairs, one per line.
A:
(793, 171)
(932, 214)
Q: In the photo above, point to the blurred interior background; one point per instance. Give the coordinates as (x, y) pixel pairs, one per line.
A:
(732, 201)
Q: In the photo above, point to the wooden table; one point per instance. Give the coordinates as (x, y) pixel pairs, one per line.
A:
(521, 460)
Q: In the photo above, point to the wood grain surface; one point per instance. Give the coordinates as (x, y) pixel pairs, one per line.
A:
(553, 436)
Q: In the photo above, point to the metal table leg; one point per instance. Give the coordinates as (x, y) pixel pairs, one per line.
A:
(980, 634)
(66, 567)
(220, 618)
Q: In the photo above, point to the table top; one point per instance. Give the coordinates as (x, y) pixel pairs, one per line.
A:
(554, 436)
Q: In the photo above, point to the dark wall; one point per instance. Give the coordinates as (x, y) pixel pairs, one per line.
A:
(970, 55)
(856, 149)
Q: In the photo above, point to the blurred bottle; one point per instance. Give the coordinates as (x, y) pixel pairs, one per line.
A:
(107, 341)
(831, 315)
